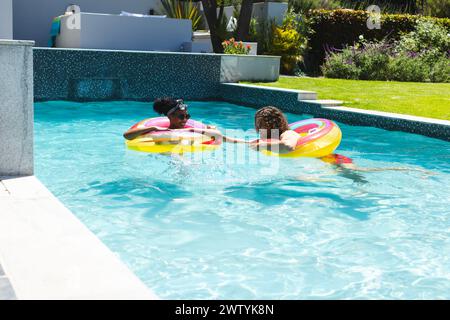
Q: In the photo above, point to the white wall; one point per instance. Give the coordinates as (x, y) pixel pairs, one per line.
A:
(32, 18)
(6, 19)
(270, 10)
(103, 31)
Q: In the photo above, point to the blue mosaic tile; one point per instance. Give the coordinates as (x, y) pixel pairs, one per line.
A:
(87, 75)
(92, 75)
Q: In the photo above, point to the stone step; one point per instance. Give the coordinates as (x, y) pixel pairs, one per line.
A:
(325, 103)
(306, 95)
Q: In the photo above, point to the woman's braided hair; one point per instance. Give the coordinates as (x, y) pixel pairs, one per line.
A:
(270, 118)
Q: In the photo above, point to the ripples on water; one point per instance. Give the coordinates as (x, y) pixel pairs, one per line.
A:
(206, 228)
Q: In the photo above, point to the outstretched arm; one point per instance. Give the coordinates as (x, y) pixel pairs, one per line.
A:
(216, 134)
(133, 133)
(277, 146)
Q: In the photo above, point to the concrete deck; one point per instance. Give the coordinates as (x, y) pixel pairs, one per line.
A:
(47, 253)
(6, 289)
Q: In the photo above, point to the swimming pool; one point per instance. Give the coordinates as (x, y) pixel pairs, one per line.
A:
(216, 229)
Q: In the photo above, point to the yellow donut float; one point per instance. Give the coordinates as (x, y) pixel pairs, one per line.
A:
(171, 141)
(319, 138)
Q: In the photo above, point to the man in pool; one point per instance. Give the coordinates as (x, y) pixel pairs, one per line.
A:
(275, 135)
(273, 129)
(174, 109)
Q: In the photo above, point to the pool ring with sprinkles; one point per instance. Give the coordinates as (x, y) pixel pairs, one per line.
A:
(318, 138)
(171, 141)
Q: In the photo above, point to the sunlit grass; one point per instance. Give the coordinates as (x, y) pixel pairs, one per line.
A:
(420, 99)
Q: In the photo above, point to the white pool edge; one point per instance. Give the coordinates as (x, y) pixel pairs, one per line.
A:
(48, 254)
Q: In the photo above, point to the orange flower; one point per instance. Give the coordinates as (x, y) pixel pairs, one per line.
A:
(249, 47)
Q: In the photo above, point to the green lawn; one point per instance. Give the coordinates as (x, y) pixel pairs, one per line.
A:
(420, 99)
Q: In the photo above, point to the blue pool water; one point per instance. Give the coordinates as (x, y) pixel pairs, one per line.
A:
(220, 229)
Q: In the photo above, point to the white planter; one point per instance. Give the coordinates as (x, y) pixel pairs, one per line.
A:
(239, 67)
(253, 48)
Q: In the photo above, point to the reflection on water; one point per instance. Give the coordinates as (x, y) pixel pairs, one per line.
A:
(205, 227)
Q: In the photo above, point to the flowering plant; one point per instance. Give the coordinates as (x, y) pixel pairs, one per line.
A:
(233, 47)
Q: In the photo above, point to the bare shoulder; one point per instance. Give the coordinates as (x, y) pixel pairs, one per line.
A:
(290, 134)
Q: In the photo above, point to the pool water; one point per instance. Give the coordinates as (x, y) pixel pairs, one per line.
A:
(212, 228)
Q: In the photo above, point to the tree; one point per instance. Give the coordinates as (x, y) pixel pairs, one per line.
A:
(243, 25)
(210, 10)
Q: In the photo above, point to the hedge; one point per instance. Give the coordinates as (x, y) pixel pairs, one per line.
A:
(339, 28)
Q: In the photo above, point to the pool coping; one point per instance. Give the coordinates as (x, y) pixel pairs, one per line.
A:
(47, 253)
(292, 100)
(6, 289)
(152, 52)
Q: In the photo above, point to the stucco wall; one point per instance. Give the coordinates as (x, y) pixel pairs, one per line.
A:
(32, 18)
(16, 108)
(6, 19)
(104, 31)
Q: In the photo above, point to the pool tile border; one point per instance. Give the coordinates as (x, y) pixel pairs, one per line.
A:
(288, 101)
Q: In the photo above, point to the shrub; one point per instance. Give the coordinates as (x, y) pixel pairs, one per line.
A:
(426, 36)
(303, 6)
(386, 6)
(438, 8)
(233, 47)
(262, 32)
(341, 66)
(441, 70)
(340, 28)
(365, 61)
(287, 40)
(421, 55)
(407, 68)
(373, 59)
(183, 10)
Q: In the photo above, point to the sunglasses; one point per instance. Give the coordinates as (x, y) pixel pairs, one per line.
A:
(184, 116)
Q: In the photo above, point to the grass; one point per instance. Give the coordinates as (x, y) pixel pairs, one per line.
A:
(430, 100)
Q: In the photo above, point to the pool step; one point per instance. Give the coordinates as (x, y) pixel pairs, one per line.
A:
(325, 103)
(306, 95)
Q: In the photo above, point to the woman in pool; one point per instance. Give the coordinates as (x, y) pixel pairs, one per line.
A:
(175, 110)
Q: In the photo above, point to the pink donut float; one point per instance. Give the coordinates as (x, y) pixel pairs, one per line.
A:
(171, 141)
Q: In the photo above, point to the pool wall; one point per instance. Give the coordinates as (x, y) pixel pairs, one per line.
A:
(16, 108)
(96, 75)
(93, 75)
